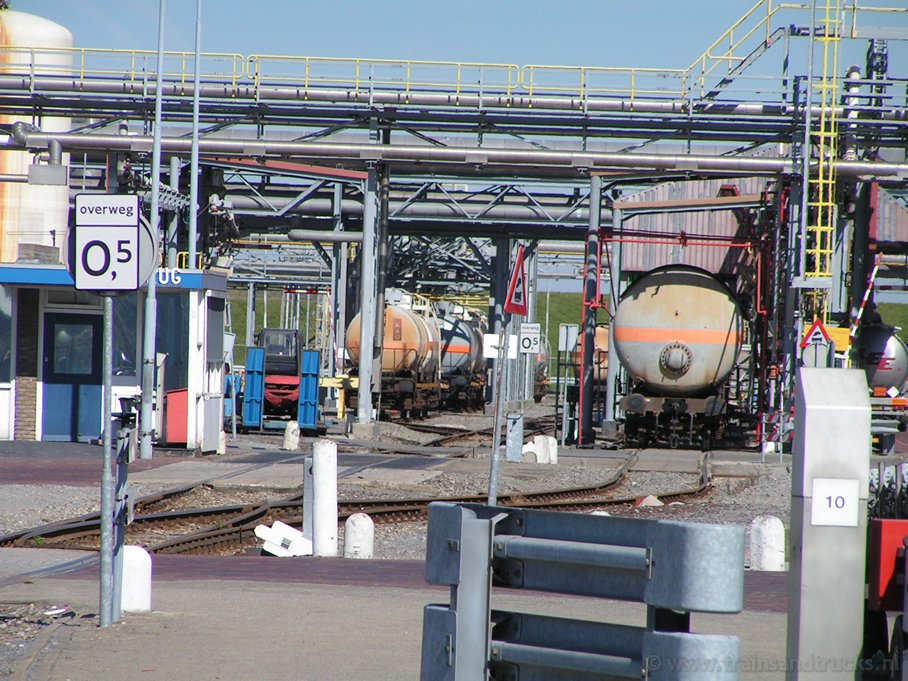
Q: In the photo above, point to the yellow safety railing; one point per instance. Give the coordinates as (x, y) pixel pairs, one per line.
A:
(728, 51)
(370, 74)
(135, 65)
(589, 82)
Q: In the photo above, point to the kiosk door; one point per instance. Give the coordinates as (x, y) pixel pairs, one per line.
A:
(71, 404)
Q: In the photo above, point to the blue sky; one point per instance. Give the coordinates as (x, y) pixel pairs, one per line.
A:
(660, 33)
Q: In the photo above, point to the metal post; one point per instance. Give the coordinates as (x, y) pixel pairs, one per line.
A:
(529, 380)
(151, 303)
(498, 388)
(367, 296)
(194, 153)
(173, 227)
(338, 286)
(611, 380)
(107, 585)
(496, 312)
(250, 315)
(586, 435)
(120, 519)
(383, 247)
(829, 488)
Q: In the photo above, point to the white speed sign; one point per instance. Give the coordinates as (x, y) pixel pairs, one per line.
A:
(106, 256)
(529, 338)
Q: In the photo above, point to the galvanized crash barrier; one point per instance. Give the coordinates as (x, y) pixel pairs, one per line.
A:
(674, 568)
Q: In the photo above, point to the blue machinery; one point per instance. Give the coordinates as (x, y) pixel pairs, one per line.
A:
(254, 392)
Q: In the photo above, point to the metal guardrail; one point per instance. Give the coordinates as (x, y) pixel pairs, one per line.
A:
(727, 53)
(130, 65)
(673, 568)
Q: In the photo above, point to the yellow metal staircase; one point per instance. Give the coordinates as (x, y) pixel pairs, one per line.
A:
(823, 129)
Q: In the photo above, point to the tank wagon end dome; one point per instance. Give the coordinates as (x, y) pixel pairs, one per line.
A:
(678, 331)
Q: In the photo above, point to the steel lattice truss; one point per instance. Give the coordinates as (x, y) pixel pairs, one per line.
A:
(476, 151)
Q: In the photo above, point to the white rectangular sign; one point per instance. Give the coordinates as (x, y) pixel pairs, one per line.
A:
(835, 502)
(107, 258)
(490, 346)
(567, 337)
(529, 338)
(107, 209)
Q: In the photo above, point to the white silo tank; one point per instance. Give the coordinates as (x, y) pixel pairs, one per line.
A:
(33, 218)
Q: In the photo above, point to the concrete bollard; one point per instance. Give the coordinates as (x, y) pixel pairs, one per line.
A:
(324, 498)
(553, 449)
(359, 536)
(541, 445)
(529, 453)
(767, 544)
(291, 436)
(308, 495)
(136, 591)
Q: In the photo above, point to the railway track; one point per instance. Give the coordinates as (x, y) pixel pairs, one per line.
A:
(226, 528)
(451, 434)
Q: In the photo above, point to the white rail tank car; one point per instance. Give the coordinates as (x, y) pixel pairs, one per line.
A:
(677, 332)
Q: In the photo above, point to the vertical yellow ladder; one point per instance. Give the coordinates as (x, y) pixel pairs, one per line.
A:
(821, 186)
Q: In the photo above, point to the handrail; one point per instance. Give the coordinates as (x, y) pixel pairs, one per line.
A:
(133, 64)
(406, 74)
(730, 49)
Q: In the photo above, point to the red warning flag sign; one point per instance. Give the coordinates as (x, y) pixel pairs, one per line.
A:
(516, 302)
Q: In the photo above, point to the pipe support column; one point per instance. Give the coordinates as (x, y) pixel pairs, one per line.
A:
(367, 296)
(590, 300)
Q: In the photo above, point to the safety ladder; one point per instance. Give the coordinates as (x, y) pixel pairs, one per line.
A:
(821, 182)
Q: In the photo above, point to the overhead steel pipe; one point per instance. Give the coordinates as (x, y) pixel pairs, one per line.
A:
(568, 163)
(368, 96)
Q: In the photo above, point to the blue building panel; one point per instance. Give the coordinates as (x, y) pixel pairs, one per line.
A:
(307, 411)
(254, 390)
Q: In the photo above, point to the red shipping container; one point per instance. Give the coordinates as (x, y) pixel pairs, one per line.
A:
(886, 564)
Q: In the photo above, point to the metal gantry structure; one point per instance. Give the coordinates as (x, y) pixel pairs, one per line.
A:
(353, 175)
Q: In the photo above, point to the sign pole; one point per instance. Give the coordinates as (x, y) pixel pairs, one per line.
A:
(107, 572)
(496, 429)
(516, 303)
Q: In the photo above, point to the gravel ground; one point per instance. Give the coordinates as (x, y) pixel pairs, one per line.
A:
(731, 501)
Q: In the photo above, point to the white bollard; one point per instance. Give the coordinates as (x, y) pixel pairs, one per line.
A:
(553, 449)
(291, 436)
(541, 445)
(324, 498)
(529, 453)
(359, 536)
(308, 495)
(136, 591)
(767, 544)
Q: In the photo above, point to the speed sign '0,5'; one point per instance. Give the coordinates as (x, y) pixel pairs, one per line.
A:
(106, 258)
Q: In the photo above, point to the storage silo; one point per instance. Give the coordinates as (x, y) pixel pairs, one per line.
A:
(33, 218)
